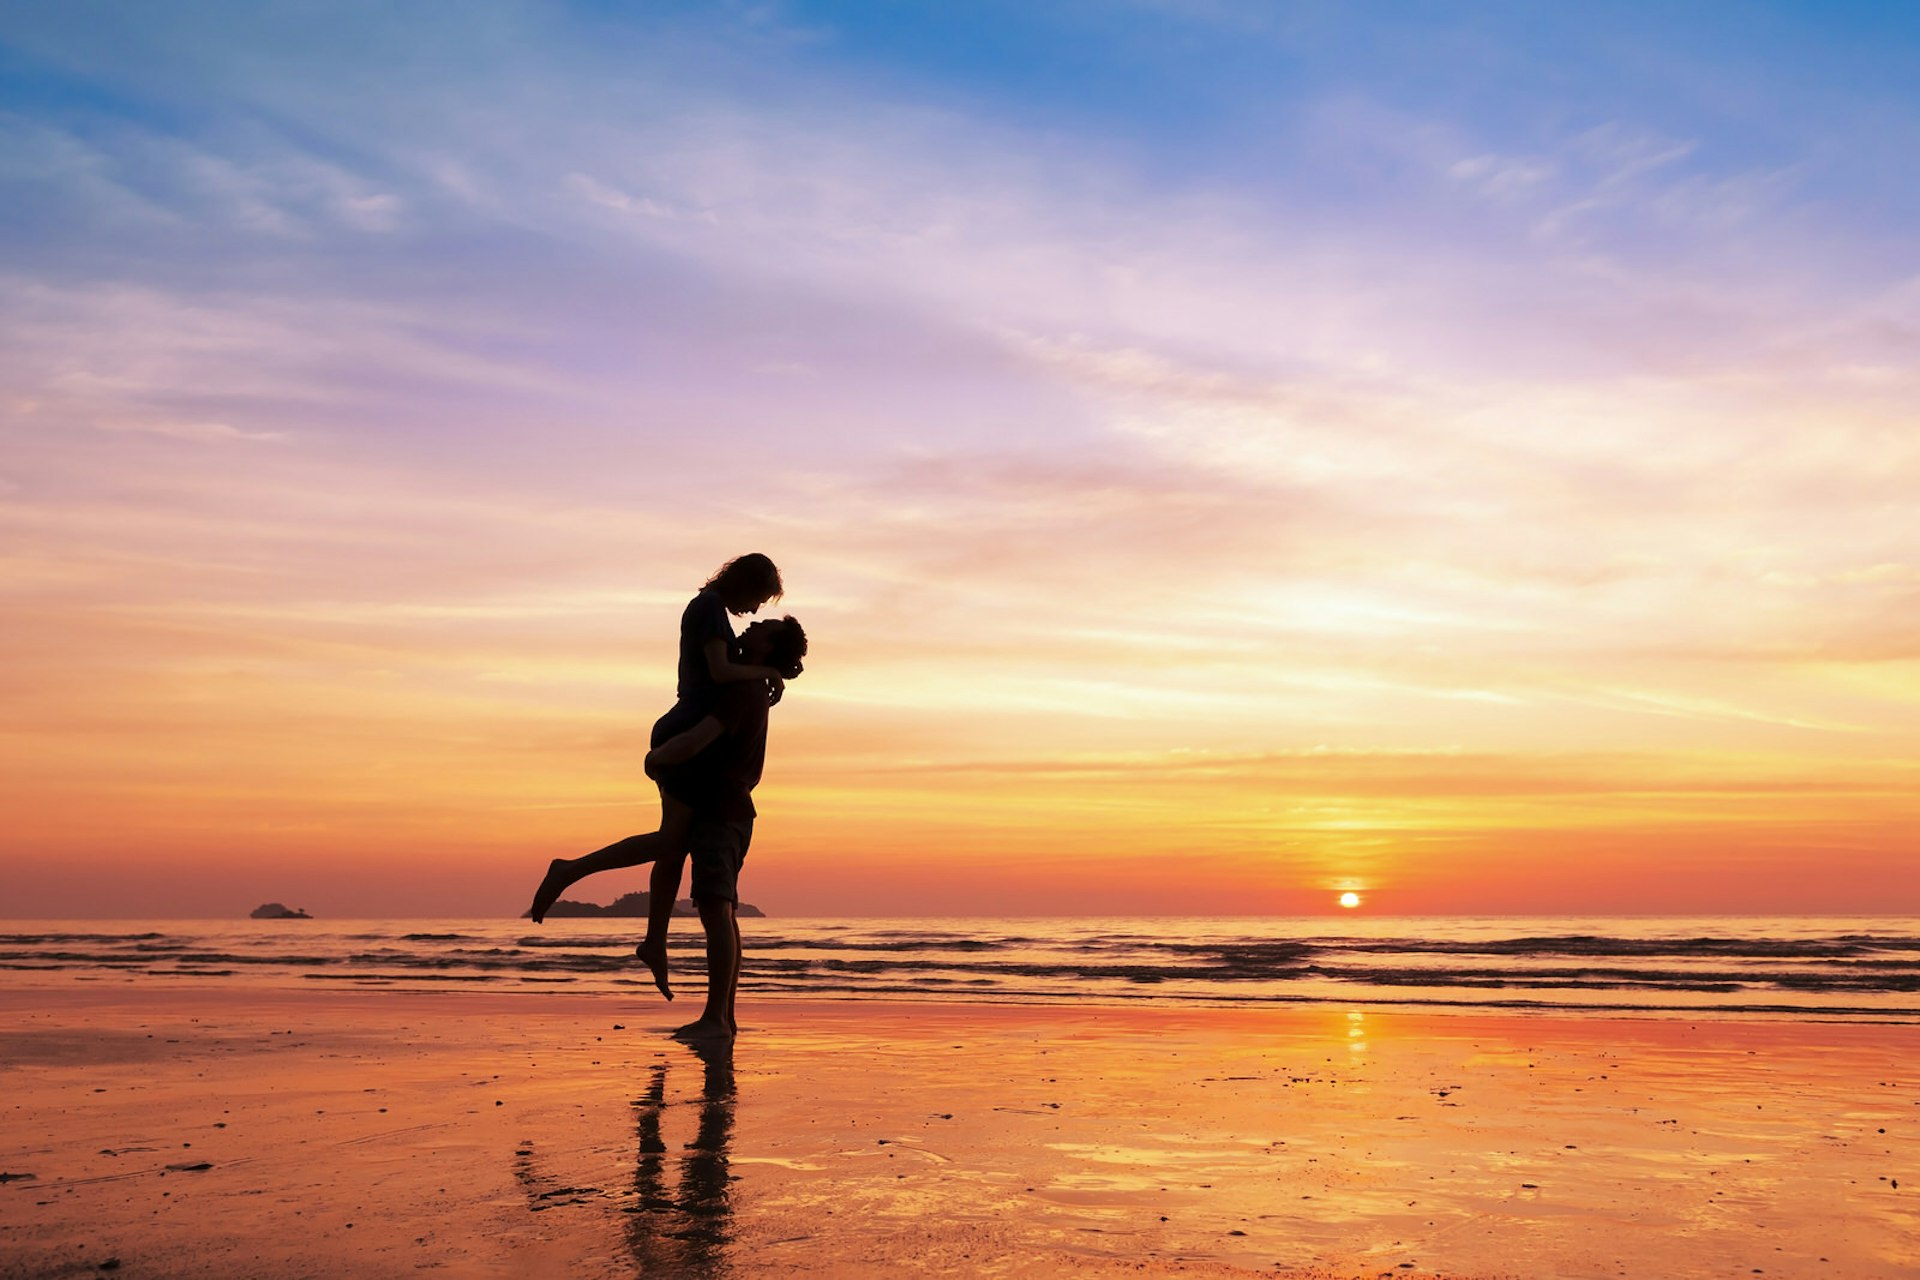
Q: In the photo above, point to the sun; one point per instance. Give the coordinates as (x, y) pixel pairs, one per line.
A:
(1349, 899)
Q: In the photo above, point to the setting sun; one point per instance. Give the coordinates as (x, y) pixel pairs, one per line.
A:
(1349, 899)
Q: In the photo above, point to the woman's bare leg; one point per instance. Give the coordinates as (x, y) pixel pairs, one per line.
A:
(662, 890)
(631, 852)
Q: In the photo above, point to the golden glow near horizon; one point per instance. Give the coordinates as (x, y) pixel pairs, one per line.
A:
(1349, 899)
(1512, 509)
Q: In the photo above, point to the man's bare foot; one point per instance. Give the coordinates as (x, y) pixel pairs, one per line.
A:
(704, 1029)
(654, 956)
(550, 889)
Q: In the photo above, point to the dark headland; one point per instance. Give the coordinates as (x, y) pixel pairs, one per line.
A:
(628, 905)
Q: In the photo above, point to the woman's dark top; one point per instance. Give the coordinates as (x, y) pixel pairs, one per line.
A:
(704, 619)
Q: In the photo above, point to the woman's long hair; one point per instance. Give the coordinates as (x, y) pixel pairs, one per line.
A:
(751, 574)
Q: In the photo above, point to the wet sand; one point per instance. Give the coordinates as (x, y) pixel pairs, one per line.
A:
(163, 1130)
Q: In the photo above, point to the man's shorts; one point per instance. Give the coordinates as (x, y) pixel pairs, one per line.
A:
(717, 848)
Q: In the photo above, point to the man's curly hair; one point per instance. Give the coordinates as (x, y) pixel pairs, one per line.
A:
(789, 646)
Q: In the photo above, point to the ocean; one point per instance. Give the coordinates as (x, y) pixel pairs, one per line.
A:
(1845, 968)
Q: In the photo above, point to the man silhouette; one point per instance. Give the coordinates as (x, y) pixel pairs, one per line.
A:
(713, 767)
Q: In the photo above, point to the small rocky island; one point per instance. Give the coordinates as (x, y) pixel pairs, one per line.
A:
(277, 911)
(633, 904)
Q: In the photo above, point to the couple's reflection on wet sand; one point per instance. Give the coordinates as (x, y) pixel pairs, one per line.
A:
(682, 1221)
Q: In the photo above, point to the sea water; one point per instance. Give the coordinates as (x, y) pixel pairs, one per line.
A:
(1844, 967)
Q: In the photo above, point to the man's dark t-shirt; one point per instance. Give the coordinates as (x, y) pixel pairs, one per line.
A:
(718, 783)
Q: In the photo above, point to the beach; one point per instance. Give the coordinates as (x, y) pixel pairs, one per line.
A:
(170, 1129)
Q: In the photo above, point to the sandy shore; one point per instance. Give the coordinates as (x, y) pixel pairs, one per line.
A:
(189, 1132)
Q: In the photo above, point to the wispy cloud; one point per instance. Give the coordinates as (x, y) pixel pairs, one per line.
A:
(205, 432)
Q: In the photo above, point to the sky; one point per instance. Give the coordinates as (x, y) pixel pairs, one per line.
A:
(1224, 454)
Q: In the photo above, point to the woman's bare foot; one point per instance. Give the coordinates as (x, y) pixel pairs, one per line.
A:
(550, 888)
(704, 1029)
(654, 956)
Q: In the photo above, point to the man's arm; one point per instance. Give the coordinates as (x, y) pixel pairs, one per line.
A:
(682, 747)
(725, 670)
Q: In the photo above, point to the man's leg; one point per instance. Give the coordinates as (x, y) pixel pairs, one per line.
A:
(717, 847)
(733, 987)
(723, 971)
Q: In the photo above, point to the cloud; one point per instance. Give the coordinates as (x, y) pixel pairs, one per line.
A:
(605, 196)
(202, 432)
(1325, 772)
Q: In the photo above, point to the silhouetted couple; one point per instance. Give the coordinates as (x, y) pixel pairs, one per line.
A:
(707, 755)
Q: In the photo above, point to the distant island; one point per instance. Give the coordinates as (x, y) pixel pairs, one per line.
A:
(278, 911)
(633, 904)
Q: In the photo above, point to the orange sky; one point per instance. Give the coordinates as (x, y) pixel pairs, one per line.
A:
(1511, 511)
